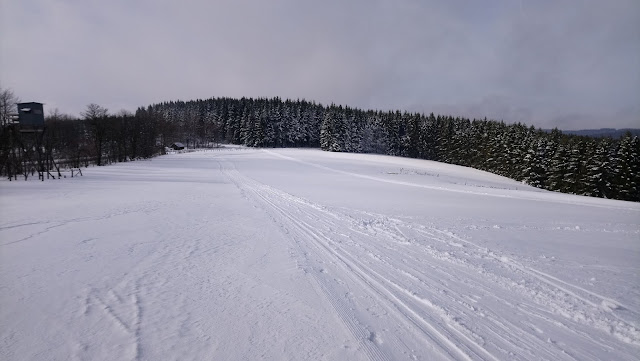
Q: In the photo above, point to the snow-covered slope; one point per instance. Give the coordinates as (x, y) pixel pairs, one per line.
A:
(247, 254)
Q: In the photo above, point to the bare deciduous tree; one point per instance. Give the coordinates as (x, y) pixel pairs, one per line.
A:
(94, 112)
(8, 101)
(95, 116)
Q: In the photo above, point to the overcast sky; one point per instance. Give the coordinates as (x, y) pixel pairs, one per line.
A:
(567, 63)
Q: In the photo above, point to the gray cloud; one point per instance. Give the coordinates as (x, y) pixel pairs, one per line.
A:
(571, 64)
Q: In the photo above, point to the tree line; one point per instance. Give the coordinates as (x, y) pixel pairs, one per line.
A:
(598, 167)
(97, 138)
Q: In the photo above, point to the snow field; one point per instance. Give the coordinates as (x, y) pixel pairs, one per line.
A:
(301, 254)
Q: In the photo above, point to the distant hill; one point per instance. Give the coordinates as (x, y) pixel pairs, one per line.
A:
(603, 132)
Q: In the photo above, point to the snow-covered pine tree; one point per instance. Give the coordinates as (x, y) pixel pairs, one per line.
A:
(625, 169)
(327, 129)
(534, 172)
(597, 168)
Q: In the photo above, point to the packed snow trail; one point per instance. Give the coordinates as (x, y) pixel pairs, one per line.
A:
(241, 254)
(429, 283)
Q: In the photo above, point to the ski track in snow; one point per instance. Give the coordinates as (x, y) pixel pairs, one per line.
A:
(430, 281)
(399, 286)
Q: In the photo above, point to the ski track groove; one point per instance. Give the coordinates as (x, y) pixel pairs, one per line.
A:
(322, 242)
(628, 326)
(348, 319)
(315, 227)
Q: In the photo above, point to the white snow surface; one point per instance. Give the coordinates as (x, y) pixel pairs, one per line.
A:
(288, 254)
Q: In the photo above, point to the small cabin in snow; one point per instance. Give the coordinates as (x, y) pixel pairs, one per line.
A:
(177, 146)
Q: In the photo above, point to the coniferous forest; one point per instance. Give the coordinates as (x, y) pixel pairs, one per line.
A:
(597, 167)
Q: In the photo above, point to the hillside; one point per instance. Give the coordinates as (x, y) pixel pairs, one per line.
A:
(246, 254)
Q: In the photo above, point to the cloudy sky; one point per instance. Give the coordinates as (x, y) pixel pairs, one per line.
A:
(567, 63)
